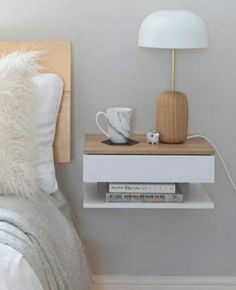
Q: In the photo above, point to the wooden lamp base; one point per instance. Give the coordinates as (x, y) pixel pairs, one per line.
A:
(172, 117)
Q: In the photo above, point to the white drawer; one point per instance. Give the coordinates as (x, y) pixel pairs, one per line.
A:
(146, 168)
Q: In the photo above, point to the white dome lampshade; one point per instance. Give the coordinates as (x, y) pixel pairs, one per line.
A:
(173, 29)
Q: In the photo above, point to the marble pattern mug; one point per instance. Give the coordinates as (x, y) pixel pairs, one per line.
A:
(119, 120)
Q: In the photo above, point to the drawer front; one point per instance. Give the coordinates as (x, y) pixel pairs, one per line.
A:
(143, 168)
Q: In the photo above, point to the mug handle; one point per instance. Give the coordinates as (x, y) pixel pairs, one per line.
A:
(99, 126)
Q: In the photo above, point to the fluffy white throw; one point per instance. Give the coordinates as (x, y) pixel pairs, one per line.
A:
(18, 96)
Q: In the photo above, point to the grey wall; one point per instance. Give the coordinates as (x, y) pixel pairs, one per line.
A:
(109, 69)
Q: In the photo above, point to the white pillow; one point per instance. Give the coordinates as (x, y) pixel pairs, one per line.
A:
(50, 89)
(29, 104)
(17, 104)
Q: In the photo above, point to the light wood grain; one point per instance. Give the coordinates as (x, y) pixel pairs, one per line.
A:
(57, 59)
(172, 117)
(195, 146)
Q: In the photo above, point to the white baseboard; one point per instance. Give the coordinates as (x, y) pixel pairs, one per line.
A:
(123, 282)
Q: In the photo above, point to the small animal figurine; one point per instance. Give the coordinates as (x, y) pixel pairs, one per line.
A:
(153, 137)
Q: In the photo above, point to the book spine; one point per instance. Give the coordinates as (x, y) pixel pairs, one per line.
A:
(147, 197)
(142, 187)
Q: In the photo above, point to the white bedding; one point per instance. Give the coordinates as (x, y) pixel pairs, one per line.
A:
(15, 272)
(41, 230)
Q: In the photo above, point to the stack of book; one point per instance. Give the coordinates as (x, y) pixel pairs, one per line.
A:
(143, 192)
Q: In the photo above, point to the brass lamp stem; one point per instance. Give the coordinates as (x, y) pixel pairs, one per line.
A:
(173, 71)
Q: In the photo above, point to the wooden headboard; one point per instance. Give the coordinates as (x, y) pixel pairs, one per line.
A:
(57, 59)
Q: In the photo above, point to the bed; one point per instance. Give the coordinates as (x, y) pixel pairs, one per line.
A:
(39, 245)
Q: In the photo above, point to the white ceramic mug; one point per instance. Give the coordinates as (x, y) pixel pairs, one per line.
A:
(119, 121)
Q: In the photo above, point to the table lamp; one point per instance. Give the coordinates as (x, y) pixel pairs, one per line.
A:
(172, 29)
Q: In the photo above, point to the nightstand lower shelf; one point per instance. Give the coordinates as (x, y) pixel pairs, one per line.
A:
(195, 197)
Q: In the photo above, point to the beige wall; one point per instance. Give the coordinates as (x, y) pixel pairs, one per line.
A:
(109, 69)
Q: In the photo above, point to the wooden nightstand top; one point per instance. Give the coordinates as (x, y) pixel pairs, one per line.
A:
(196, 146)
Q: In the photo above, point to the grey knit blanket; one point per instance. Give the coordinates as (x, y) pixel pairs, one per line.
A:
(42, 231)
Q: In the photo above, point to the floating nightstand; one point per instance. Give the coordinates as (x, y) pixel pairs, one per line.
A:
(189, 165)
